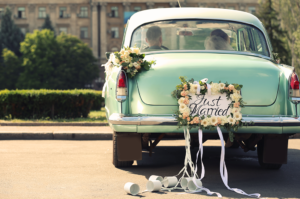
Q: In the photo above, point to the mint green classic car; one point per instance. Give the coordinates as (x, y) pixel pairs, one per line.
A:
(218, 44)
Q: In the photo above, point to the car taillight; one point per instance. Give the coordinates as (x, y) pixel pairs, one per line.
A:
(121, 89)
(122, 80)
(294, 85)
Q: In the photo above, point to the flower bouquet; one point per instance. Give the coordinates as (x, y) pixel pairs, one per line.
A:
(131, 61)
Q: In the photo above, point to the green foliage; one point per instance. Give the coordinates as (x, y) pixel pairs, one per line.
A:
(47, 24)
(76, 63)
(37, 104)
(10, 35)
(269, 17)
(40, 61)
(290, 17)
(297, 42)
(62, 62)
(10, 69)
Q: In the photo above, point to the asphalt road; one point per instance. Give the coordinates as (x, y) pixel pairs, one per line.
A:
(83, 169)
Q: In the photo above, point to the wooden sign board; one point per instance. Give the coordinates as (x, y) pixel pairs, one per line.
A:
(213, 105)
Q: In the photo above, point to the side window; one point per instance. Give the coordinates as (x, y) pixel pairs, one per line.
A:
(260, 44)
(243, 42)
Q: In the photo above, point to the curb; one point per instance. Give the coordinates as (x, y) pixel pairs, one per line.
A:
(53, 124)
(56, 135)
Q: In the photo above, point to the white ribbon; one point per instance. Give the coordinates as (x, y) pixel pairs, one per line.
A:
(224, 173)
(200, 135)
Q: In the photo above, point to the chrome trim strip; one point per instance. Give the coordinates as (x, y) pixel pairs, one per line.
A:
(170, 120)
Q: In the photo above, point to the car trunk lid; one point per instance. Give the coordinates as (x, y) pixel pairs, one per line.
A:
(259, 77)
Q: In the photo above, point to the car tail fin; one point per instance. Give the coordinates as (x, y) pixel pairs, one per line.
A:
(294, 85)
(122, 86)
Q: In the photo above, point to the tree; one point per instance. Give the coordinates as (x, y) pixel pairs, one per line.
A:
(290, 21)
(269, 17)
(10, 70)
(62, 62)
(47, 24)
(40, 51)
(77, 63)
(10, 35)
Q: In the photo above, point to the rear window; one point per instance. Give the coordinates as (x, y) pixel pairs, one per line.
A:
(199, 35)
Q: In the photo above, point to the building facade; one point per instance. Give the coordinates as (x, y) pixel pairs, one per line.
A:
(99, 23)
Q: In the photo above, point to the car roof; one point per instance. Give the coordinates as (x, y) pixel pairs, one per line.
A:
(159, 14)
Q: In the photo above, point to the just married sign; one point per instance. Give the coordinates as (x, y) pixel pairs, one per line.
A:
(206, 105)
(214, 105)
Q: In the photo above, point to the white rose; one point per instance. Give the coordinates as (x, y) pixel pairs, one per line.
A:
(117, 61)
(231, 120)
(204, 123)
(130, 65)
(202, 87)
(214, 120)
(136, 50)
(135, 64)
(208, 120)
(237, 116)
(223, 120)
(122, 51)
(180, 101)
(235, 110)
(192, 88)
(221, 85)
(126, 53)
(127, 60)
(215, 88)
(235, 97)
(236, 91)
(182, 107)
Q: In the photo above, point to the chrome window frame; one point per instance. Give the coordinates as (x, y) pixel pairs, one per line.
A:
(270, 57)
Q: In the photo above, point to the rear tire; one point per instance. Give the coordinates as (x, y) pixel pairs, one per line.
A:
(260, 154)
(116, 162)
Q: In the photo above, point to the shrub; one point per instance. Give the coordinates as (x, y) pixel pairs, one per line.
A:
(37, 104)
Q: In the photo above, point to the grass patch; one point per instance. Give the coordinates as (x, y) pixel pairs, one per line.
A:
(94, 116)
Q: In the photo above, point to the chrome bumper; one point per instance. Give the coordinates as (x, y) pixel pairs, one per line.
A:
(169, 120)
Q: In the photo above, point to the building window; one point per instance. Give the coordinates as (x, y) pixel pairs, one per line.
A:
(231, 8)
(114, 11)
(83, 12)
(21, 12)
(137, 8)
(63, 29)
(63, 12)
(42, 12)
(252, 9)
(1, 12)
(83, 32)
(114, 32)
